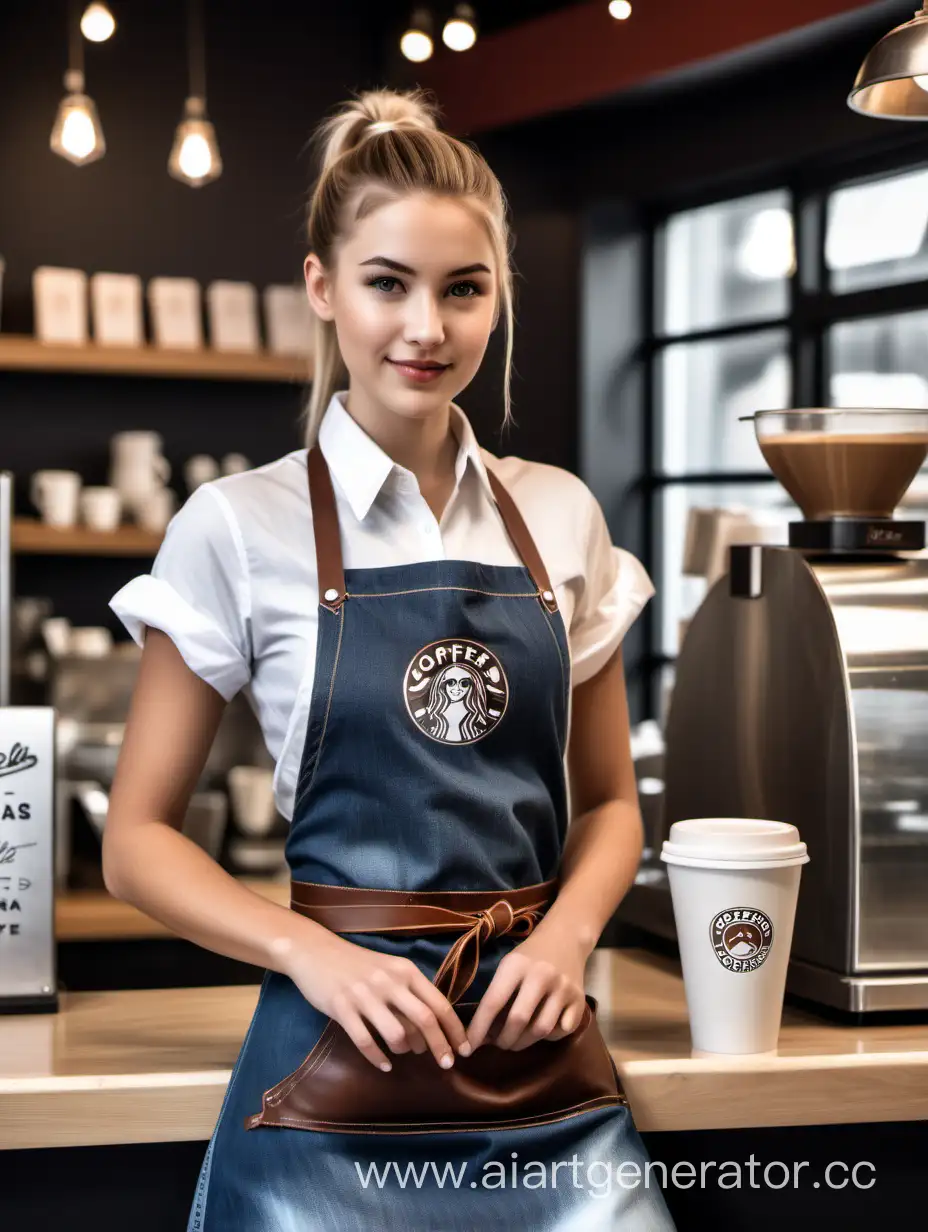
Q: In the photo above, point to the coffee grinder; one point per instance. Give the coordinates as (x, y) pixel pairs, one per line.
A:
(801, 695)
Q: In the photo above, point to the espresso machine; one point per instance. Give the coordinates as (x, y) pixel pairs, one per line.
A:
(801, 695)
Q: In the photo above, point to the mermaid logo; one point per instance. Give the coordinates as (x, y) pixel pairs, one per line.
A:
(456, 691)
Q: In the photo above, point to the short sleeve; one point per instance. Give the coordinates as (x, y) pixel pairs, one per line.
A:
(616, 589)
(197, 592)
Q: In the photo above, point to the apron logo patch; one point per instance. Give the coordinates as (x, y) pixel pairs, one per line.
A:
(456, 690)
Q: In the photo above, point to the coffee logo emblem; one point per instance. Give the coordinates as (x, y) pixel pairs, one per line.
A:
(456, 690)
(741, 938)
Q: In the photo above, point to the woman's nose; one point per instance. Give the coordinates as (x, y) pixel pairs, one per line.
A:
(424, 325)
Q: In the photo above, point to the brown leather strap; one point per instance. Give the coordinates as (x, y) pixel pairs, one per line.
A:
(479, 915)
(325, 529)
(524, 543)
(328, 540)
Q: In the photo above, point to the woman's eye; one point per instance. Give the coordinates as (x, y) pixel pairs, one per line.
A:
(375, 282)
(472, 287)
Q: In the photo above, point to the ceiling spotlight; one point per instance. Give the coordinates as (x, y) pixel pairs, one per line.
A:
(893, 79)
(98, 23)
(460, 32)
(621, 10)
(416, 43)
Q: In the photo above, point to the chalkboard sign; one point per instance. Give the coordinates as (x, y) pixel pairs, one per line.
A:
(28, 981)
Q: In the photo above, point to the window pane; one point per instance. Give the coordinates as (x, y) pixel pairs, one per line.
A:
(880, 361)
(703, 387)
(678, 596)
(876, 232)
(725, 263)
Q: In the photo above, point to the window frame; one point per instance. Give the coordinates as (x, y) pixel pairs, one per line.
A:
(812, 309)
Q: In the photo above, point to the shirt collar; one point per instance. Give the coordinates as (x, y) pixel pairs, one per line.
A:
(361, 467)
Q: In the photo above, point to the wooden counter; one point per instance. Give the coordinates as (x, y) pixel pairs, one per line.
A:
(152, 1066)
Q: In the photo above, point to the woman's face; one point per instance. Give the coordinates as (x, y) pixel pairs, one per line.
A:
(415, 280)
(456, 684)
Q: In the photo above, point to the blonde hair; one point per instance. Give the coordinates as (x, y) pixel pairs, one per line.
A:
(388, 143)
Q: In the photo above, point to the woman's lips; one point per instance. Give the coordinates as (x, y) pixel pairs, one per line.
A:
(421, 375)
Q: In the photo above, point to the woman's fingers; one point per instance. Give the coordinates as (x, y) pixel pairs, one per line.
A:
(448, 1020)
(522, 1012)
(558, 1016)
(358, 1033)
(501, 987)
(427, 1023)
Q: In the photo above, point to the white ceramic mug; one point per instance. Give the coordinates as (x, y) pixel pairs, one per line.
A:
(135, 446)
(235, 463)
(155, 509)
(137, 467)
(101, 508)
(201, 468)
(55, 494)
(252, 791)
(90, 642)
(56, 633)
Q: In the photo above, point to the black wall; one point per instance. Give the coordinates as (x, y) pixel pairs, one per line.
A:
(273, 71)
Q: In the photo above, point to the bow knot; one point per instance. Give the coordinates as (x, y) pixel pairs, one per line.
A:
(455, 976)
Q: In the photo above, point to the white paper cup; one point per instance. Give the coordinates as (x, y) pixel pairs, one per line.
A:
(734, 882)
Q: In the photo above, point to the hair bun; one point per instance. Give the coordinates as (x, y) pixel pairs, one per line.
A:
(372, 112)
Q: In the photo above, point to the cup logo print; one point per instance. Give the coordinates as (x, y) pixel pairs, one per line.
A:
(456, 690)
(741, 938)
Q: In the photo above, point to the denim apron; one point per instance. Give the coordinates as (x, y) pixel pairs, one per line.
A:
(433, 760)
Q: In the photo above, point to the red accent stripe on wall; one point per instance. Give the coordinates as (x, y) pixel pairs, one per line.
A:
(580, 54)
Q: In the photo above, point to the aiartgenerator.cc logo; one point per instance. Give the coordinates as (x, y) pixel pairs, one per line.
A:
(456, 690)
(741, 938)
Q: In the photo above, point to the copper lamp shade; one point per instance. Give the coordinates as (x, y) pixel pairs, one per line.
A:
(893, 79)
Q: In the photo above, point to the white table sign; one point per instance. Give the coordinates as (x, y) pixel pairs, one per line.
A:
(28, 977)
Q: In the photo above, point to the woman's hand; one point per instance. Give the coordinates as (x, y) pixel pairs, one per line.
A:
(545, 973)
(359, 988)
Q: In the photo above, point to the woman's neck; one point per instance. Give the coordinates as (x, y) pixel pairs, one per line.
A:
(427, 447)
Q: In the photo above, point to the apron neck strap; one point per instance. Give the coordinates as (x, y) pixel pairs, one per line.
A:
(328, 540)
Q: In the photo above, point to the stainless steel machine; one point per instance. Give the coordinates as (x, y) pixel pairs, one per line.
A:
(801, 695)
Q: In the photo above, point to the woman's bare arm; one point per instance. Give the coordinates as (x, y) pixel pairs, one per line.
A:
(146, 860)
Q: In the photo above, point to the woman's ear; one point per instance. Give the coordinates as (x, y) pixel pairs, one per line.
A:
(318, 287)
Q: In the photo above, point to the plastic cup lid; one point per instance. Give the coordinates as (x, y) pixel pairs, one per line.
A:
(734, 839)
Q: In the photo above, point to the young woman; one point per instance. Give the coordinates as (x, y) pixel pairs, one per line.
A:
(420, 626)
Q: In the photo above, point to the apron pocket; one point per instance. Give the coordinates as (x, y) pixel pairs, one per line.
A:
(337, 1090)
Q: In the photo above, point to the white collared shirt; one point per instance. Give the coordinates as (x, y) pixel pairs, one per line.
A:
(234, 582)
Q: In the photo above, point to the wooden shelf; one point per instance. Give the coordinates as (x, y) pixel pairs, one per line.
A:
(33, 538)
(19, 352)
(94, 915)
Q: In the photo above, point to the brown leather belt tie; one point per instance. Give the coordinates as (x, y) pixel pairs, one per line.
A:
(479, 915)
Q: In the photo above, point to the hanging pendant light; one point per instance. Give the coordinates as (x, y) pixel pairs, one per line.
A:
(416, 43)
(98, 23)
(893, 79)
(195, 158)
(460, 31)
(77, 134)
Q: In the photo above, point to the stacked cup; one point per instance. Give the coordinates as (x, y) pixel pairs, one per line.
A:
(734, 882)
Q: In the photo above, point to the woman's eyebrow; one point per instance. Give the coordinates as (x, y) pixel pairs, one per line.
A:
(478, 268)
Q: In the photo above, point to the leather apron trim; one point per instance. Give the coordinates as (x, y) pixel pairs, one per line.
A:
(329, 562)
(335, 1090)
